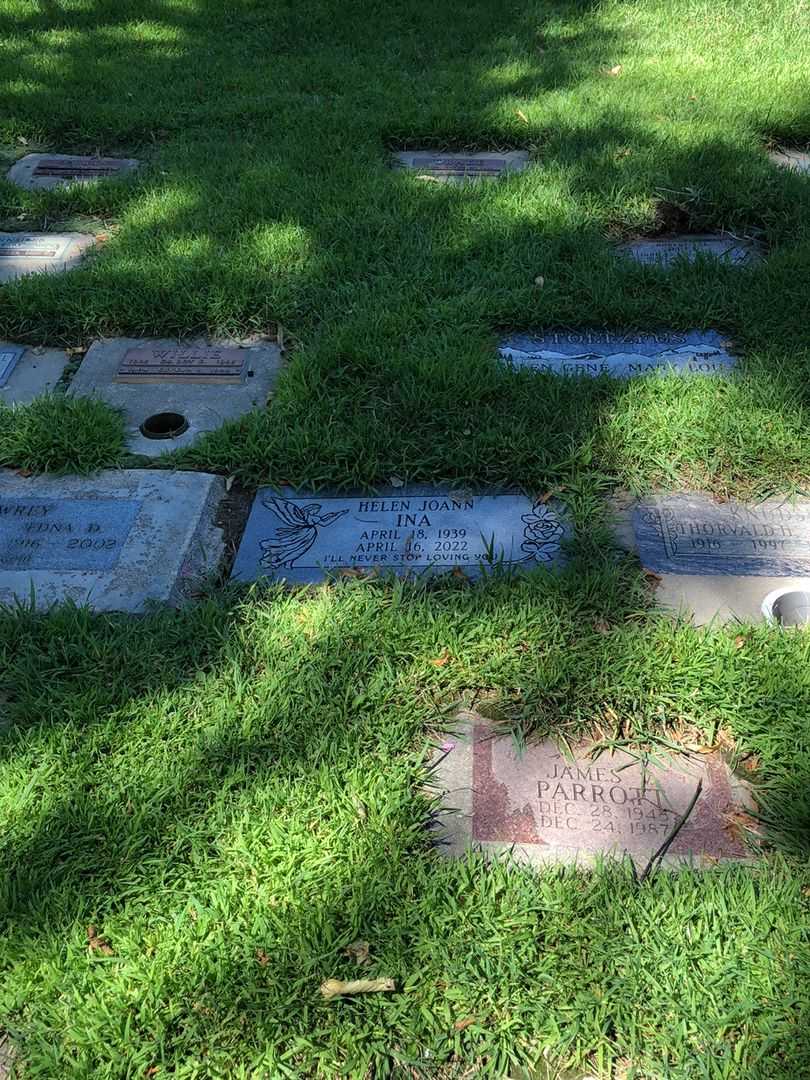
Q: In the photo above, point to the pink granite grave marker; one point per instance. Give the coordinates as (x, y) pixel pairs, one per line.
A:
(548, 807)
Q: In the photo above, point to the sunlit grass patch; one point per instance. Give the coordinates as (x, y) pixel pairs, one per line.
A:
(234, 793)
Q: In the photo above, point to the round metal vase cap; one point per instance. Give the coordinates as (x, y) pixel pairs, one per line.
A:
(787, 607)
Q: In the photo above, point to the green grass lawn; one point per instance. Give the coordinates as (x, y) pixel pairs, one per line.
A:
(234, 793)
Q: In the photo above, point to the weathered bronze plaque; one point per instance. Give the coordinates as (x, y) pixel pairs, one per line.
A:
(73, 168)
(186, 364)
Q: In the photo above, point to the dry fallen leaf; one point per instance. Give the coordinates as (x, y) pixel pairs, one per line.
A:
(442, 660)
(358, 951)
(333, 988)
(262, 957)
(806, 890)
(739, 824)
(615, 70)
(651, 577)
(601, 626)
(359, 807)
(98, 944)
(751, 763)
(460, 1025)
(523, 116)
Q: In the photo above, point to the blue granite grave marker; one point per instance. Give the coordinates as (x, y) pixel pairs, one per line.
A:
(692, 534)
(8, 361)
(64, 534)
(304, 539)
(664, 251)
(592, 352)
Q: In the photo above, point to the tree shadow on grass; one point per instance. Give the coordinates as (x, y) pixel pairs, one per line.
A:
(199, 844)
(231, 795)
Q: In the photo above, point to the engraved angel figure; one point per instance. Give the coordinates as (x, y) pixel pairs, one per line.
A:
(542, 534)
(297, 534)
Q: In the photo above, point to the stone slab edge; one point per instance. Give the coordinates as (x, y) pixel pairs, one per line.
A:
(205, 550)
(195, 554)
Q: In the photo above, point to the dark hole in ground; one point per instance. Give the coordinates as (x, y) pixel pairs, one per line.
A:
(165, 425)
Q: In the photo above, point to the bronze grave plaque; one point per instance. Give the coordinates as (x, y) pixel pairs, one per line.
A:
(200, 364)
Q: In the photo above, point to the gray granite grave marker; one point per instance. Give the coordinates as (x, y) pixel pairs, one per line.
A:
(32, 253)
(36, 172)
(693, 535)
(306, 538)
(664, 251)
(204, 384)
(541, 805)
(717, 560)
(592, 353)
(459, 167)
(796, 160)
(29, 373)
(115, 541)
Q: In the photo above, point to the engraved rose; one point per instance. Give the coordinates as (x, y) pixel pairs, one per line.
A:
(542, 534)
